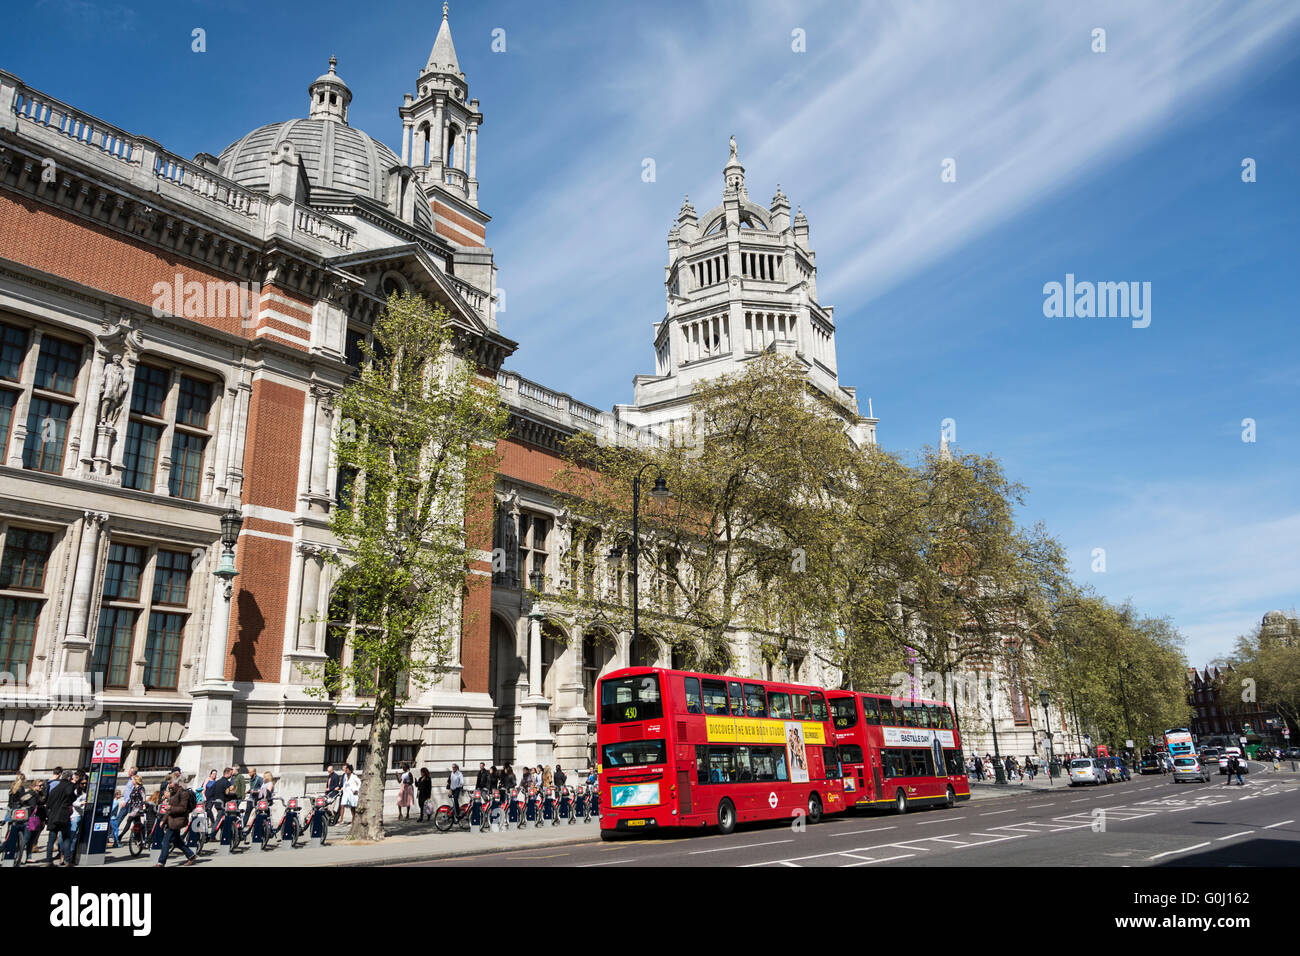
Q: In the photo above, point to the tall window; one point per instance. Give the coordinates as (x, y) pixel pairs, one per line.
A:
(23, 561)
(151, 417)
(534, 531)
(58, 363)
(13, 348)
(150, 584)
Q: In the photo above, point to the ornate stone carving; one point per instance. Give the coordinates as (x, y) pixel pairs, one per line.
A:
(112, 391)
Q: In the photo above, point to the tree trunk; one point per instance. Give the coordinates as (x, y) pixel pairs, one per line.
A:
(369, 823)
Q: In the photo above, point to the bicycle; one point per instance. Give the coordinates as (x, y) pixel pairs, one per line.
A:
(16, 834)
(262, 830)
(445, 818)
(289, 826)
(320, 808)
(142, 827)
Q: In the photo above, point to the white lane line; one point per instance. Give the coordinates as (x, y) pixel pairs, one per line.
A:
(1234, 835)
(1181, 809)
(747, 846)
(883, 859)
(1037, 806)
(1282, 824)
(927, 823)
(856, 849)
(1183, 850)
(992, 813)
(958, 842)
(1080, 800)
(877, 830)
(606, 863)
(908, 846)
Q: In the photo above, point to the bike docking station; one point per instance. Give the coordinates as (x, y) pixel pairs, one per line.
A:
(15, 845)
(477, 812)
(105, 758)
(198, 831)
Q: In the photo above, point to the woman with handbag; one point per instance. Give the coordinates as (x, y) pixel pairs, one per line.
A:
(424, 791)
(351, 793)
(405, 791)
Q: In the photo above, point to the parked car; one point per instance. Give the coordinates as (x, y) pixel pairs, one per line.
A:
(1088, 770)
(1230, 752)
(1190, 768)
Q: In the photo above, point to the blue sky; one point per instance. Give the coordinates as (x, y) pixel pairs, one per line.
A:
(1115, 166)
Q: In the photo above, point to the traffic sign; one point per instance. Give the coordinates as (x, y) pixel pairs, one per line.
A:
(1286, 731)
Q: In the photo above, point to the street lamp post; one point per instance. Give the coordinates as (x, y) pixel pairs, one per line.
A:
(1047, 719)
(1128, 724)
(659, 492)
(999, 776)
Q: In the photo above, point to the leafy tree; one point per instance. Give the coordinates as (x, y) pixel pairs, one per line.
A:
(418, 433)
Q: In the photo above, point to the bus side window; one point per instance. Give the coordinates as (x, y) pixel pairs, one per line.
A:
(755, 701)
(743, 771)
(778, 704)
(737, 699)
(831, 762)
(800, 709)
(819, 710)
(872, 715)
(715, 696)
(692, 688)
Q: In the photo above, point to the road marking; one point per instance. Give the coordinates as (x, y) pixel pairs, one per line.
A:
(885, 859)
(1183, 850)
(606, 863)
(946, 840)
(927, 823)
(541, 856)
(877, 830)
(1282, 824)
(1080, 800)
(1037, 805)
(747, 846)
(1234, 835)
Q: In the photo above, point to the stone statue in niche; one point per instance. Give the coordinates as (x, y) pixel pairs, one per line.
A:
(113, 393)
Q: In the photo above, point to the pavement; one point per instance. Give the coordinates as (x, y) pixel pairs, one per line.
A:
(414, 842)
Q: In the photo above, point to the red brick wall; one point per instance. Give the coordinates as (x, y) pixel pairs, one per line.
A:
(271, 456)
(42, 238)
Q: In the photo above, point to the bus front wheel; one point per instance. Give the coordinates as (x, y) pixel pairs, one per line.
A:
(900, 802)
(814, 808)
(726, 817)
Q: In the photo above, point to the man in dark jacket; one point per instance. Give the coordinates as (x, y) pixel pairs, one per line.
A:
(58, 808)
(484, 780)
(180, 801)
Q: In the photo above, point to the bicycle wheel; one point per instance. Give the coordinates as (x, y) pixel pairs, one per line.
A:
(324, 829)
(294, 833)
(443, 819)
(135, 842)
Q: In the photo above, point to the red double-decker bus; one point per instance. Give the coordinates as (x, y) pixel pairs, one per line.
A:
(681, 749)
(900, 753)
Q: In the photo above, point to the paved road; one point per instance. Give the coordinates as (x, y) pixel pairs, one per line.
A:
(1149, 821)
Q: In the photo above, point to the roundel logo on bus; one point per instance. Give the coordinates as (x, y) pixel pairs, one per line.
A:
(771, 799)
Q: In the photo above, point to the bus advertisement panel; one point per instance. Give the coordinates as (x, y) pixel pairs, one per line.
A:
(1178, 741)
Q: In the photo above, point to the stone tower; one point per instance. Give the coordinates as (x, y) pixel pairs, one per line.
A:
(440, 141)
(740, 280)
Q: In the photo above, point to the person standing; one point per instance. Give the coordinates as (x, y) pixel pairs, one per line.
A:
(423, 791)
(1239, 767)
(240, 783)
(547, 778)
(405, 791)
(351, 793)
(23, 797)
(484, 780)
(560, 778)
(455, 783)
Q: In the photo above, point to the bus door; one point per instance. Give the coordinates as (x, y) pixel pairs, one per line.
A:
(875, 773)
(685, 795)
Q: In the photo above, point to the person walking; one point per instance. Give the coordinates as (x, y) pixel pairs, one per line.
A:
(1239, 767)
(180, 801)
(979, 767)
(22, 797)
(405, 791)
(58, 806)
(423, 791)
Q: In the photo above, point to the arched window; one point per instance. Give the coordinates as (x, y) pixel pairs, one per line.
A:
(451, 146)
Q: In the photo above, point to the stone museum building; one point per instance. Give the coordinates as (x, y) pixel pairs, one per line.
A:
(174, 333)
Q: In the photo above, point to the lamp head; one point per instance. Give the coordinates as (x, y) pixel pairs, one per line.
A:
(231, 522)
(660, 490)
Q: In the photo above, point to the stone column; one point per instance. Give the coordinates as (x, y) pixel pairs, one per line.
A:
(208, 741)
(438, 144)
(406, 142)
(472, 163)
(19, 427)
(87, 418)
(320, 452)
(535, 743)
(309, 606)
(76, 643)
